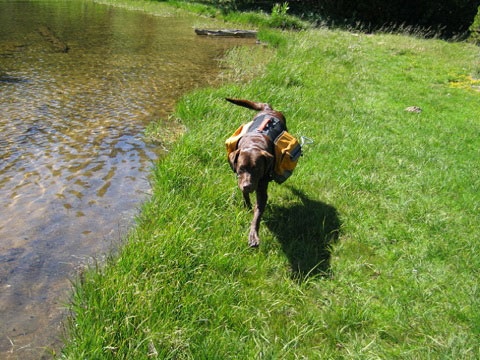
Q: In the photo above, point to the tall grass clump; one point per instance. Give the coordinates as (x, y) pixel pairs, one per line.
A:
(277, 18)
(370, 250)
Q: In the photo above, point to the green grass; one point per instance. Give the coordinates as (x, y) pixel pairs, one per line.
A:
(214, 16)
(370, 250)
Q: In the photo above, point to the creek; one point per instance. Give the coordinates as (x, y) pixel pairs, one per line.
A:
(79, 82)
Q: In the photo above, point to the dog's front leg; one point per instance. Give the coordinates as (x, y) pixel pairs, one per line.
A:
(262, 197)
(246, 200)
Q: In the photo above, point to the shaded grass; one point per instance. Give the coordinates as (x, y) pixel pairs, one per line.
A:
(370, 250)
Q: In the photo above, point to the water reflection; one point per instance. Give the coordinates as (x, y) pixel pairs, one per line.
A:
(74, 164)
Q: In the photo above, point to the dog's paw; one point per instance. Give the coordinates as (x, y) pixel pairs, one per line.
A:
(253, 239)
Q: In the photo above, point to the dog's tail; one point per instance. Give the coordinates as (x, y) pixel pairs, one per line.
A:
(250, 104)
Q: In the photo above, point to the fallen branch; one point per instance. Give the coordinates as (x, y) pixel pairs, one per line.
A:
(227, 32)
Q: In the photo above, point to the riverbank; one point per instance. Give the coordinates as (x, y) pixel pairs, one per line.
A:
(369, 250)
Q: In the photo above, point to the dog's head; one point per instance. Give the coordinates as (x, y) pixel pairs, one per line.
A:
(250, 164)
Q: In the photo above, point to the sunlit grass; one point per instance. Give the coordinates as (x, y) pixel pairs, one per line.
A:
(370, 250)
(242, 64)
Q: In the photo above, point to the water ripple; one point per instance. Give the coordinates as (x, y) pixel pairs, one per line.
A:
(74, 165)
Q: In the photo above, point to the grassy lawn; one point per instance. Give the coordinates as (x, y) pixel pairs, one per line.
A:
(369, 251)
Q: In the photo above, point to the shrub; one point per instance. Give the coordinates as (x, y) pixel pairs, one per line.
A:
(475, 29)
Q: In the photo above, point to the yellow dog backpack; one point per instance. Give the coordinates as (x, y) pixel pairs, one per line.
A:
(287, 153)
(287, 150)
(232, 141)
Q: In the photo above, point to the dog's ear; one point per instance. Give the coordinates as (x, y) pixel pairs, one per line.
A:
(267, 154)
(232, 159)
(269, 159)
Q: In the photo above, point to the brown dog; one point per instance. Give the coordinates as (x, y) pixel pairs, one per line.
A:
(253, 160)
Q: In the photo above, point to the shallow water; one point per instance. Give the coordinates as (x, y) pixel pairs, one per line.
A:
(73, 161)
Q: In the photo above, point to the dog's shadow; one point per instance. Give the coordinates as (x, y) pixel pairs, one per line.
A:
(305, 231)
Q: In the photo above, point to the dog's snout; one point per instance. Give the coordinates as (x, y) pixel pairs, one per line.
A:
(246, 188)
(245, 183)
